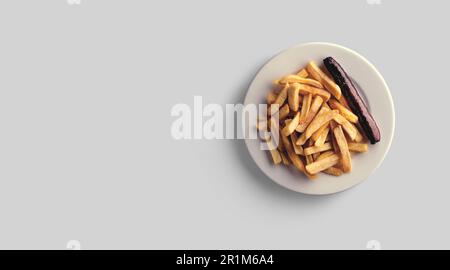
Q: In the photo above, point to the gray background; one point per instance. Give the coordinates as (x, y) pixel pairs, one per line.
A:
(85, 145)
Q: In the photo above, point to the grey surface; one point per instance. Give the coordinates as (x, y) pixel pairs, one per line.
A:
(85, 146)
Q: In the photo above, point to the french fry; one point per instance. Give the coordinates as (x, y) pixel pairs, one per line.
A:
(323, 164)
(285, 159)
(282, 96)
(288, 129)
(297, 79)
(295, 159)
(323, 137)
(346, 125)
(344, 111)
(307, 100)
(303, 73)
(271, 97)
(315, 106)
(333, 125)
(294, 97)
(297, 148)
(317, 134)
(317, 149)
(325, 155)
(315, 125)
(276, 157)
(358, 147)
(307, 89)
(280, 146)
(315, 156)
(309, 158)
(334, 171)
(346, 161)
(316, 73)
(284, 111)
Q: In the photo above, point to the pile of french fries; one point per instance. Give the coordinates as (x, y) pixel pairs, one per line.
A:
(317, 129)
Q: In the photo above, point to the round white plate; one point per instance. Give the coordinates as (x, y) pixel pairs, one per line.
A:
(373, 88)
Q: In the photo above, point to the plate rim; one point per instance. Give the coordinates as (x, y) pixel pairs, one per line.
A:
(378, 74)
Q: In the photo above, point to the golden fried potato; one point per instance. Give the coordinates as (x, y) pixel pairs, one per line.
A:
(358, 147)
(349, 115)
(343, 149)
(285, 159)
(317, 149)
(319, 121)
(282, 96)
(323, 136)
(295, 159)
(316, 73)
(315, 106)
(347, 126)
(294, 97)
(307, 89)
(334, 171)
(297, 148)
(322, 164)
(271, 97)
(297, 79)
(289, 128)
(303, 73)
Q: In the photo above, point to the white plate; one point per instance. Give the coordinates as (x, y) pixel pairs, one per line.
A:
(372, 87)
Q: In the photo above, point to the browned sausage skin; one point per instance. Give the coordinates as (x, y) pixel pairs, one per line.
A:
(354, 99)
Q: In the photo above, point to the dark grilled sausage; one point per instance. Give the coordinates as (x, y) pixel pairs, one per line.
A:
(354, 99)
